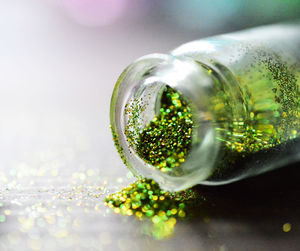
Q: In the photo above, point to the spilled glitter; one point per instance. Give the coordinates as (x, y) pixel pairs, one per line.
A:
(43, 207)
(145, 200)
(165, 144)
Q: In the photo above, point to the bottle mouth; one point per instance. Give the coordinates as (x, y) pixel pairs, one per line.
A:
(137, 101)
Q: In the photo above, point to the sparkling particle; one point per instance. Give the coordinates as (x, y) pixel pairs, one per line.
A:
(166, 141)
(2, 218)
(145, 199)
(287, 227)
(7, 212)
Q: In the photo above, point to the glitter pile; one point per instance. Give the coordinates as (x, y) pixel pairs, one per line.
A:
(166, 141)
(145, 199)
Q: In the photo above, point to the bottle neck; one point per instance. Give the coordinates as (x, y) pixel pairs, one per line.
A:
(136, 101)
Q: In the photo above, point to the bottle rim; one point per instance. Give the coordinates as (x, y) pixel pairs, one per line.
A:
(150, 74)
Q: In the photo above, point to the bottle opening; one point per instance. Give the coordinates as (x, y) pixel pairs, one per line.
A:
(160, 121)
(166, 140)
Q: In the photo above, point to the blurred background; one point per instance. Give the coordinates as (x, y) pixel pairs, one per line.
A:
(59, 61)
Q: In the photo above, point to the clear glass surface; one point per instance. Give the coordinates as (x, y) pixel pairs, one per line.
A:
(243, 89)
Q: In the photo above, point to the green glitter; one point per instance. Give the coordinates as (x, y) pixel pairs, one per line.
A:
(2, 218)
(118, 146)
(133, 110)
(166, 141)
(146, 200)
(268, 113)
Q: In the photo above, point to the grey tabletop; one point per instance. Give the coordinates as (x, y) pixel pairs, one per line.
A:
(58, 161)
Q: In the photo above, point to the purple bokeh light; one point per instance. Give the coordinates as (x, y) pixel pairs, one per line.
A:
(95, 12)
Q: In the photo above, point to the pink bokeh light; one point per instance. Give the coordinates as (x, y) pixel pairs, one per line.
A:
(95, 12)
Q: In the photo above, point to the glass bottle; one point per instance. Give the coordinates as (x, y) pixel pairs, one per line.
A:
(243, 90)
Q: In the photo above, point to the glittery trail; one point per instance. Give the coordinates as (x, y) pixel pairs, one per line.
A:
(50, 207)
(144, 199)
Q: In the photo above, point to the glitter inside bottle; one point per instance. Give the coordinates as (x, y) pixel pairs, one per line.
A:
(213, 111)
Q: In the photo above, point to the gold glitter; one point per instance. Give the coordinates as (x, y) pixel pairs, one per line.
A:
(26, 223)
(287, 227)
(7, 212)
(145, 199)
